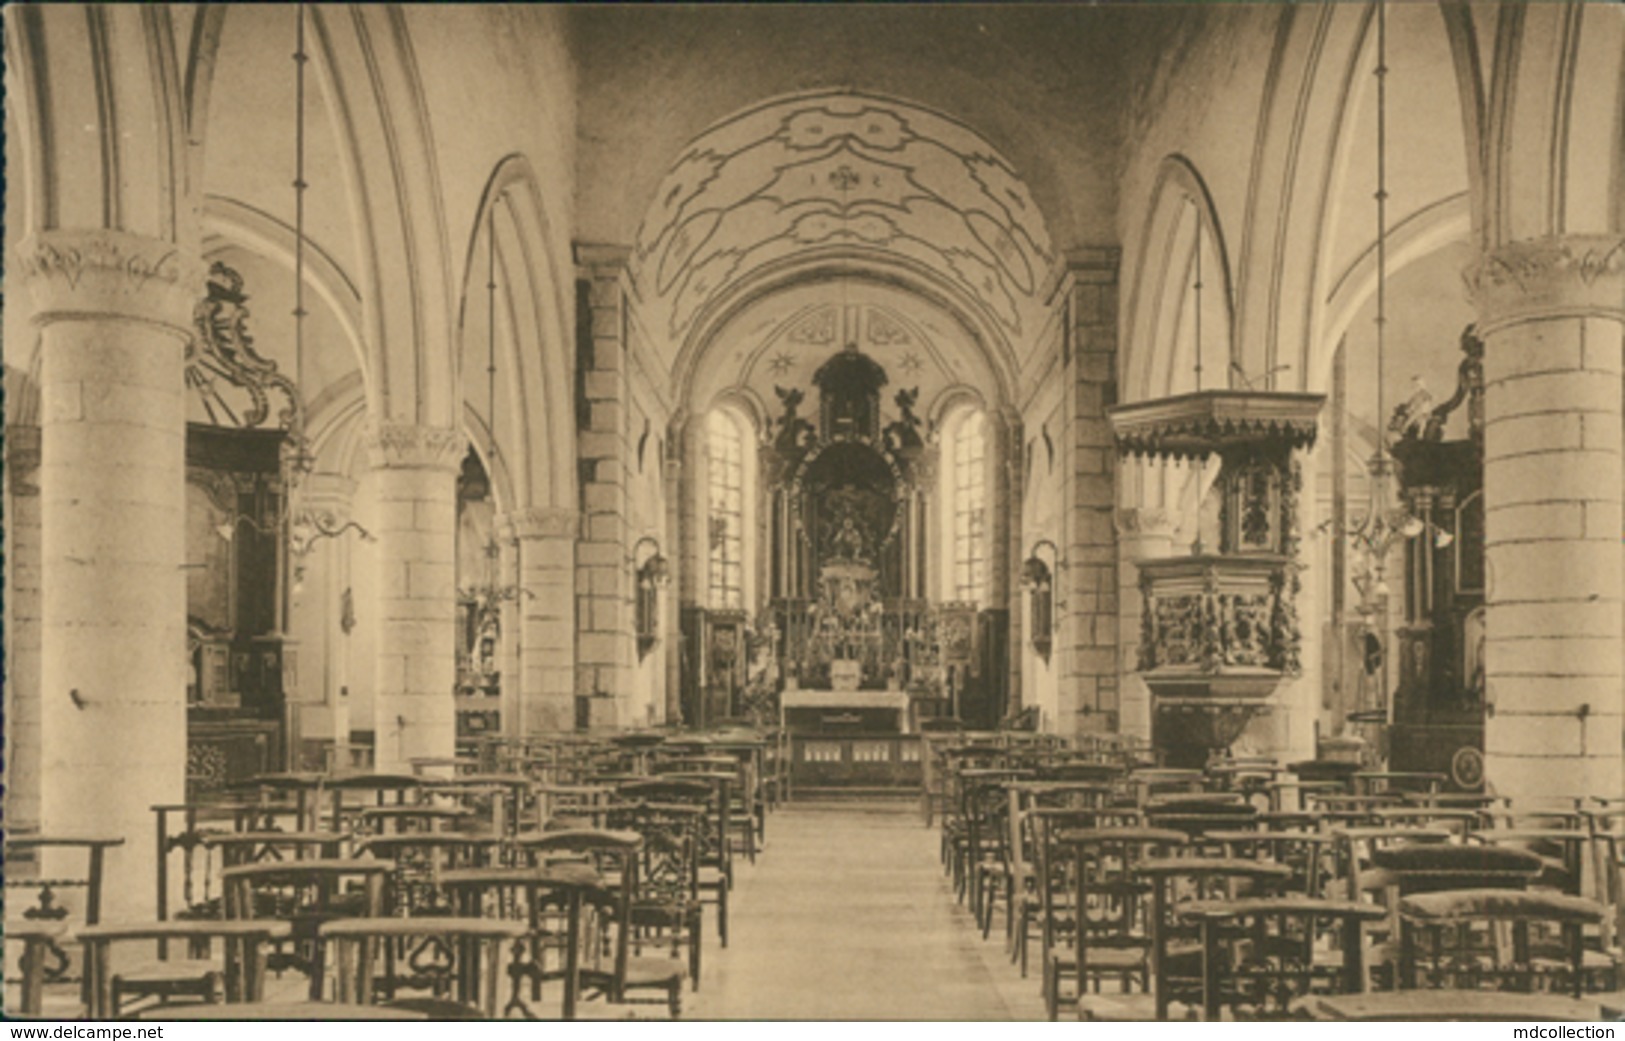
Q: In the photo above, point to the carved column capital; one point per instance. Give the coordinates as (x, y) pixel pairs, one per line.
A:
(543, 522)
(22, 459)
(101, 273)
(1561, 275)
(404, 446)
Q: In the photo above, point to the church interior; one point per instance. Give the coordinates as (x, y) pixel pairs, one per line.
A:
(1101, 512)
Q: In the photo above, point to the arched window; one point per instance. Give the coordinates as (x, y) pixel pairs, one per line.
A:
(967, 477)
(728, 495)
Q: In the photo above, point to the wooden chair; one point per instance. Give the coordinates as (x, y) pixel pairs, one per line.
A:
(351, 793)
(548, 900)
(1459, 939)
(1308, 853)
(607, 967)
(1400, 871)
(237, 976)
(667, 905)
(43, 864)
(182, 852)
(455, 958)
(1177, 944)
(1197, 814)
(38, 940)
(306, 893)
(713, 875)
(1260, 956)
(1112, 934)
(417, 860)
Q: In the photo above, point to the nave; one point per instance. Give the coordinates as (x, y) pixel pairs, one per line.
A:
(427, 426)
(850, 917)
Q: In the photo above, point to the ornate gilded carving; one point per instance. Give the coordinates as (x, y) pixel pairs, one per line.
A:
(1286, 636)
(795, 435)
(403, 446)
(849, 394)
(1224, 622)
(221, 349)
(904, 433)
(1469, 390)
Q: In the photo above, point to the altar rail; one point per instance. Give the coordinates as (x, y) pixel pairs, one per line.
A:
(852, 764)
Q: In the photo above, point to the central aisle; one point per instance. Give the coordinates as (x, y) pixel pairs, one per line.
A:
(847, 915)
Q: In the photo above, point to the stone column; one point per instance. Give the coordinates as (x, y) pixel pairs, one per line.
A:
(319, 583)
(1552, 314)
(1143, 533)
(22, 630)
(115, 312)
(547, 627)
(414, 710)
(1088, 701)
(606, 644)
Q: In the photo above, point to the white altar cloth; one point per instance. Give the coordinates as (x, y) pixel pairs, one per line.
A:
(849, 699)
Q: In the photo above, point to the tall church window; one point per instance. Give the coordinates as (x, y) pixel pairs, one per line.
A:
(969, 494)
(727, 476)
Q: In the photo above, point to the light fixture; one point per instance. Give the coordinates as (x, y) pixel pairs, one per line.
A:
(654, 567)
(490, 594)
(1386, 521)
(1035, 570)
(300, 526)
(1038, 577)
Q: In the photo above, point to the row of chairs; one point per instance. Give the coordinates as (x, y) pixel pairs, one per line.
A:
(314, 849)
(1155, 894)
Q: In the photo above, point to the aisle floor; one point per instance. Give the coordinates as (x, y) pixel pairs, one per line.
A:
(848, 915)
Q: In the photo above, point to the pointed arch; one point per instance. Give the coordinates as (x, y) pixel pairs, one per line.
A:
(1180, 206)
(536, 416)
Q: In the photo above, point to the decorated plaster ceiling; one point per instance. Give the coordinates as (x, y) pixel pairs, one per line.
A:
(849, 174)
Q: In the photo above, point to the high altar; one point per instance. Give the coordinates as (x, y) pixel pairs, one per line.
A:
(861, 648)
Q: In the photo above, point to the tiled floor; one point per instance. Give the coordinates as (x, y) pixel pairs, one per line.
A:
(847, 915)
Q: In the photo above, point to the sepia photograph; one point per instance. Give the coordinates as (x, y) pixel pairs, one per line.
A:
(1096, 512)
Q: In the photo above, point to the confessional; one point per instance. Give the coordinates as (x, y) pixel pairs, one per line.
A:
(244, 441)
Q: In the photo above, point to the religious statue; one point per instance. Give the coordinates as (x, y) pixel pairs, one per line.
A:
(904, 432)
(794, 431)
(847, 542)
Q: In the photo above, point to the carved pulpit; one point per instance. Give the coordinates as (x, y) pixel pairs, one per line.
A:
(1219, 630)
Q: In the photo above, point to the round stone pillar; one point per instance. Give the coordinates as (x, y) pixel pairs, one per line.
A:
(1552, 312)
(22, 630)
(414, 709)
(115, 314)
(1143, 533)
